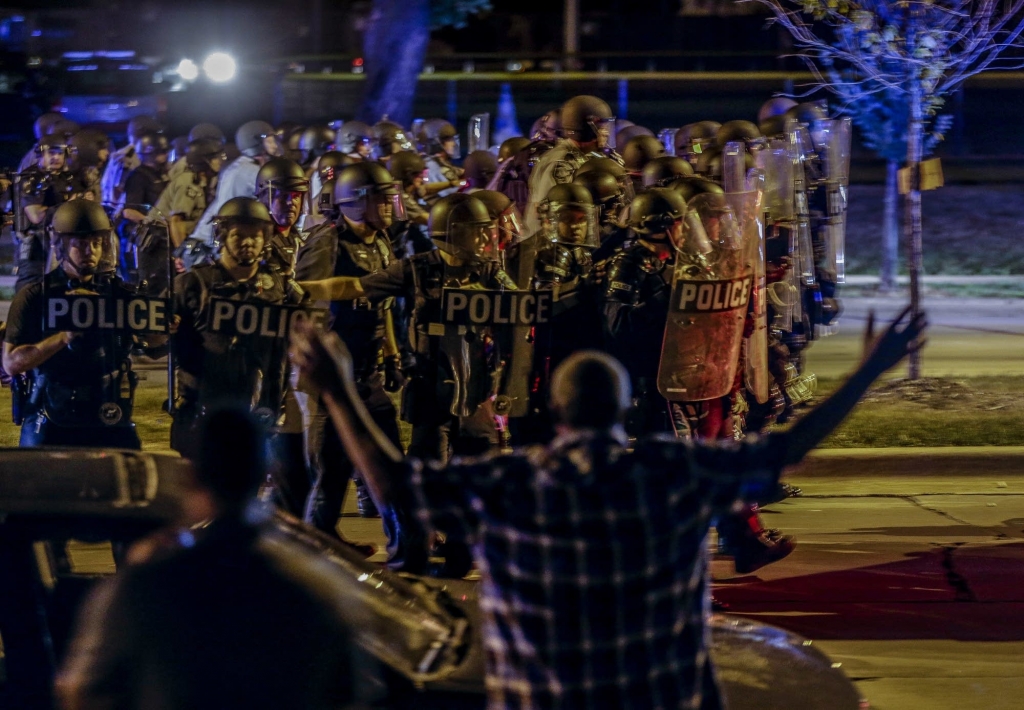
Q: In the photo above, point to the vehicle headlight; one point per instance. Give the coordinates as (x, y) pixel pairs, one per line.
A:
(188, 70)
(220, 67)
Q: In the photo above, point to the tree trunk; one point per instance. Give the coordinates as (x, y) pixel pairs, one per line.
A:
(890, 229)
(912, 215)
(394, 47)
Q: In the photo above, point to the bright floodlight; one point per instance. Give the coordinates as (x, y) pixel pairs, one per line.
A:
(219, 67)
(188, 70)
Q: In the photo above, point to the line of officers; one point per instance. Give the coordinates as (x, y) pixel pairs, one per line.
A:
(704, 258)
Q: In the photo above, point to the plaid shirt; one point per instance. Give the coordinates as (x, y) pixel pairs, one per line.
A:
(593, 562)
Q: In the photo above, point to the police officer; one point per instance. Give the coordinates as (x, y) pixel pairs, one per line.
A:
(200, 131)
(355, 139)
(314, 141)
(215, 365)
(609, 198)
(463, 230)
(281, 186)
(40, 191)
(258, 142)
(40, 129)
(389, 138)
(479, 169)
(365, 200)
(635, 309)
(125, 159)
(186, 196)
(80, 387)
(142, 190)
(90, 151)
(586, 124)
(563, 265)
(440, 143)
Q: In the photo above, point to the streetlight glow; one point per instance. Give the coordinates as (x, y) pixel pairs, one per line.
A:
(188, 70)
(219, 67)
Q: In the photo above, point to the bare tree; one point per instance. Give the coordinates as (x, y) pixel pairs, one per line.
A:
(915, 51)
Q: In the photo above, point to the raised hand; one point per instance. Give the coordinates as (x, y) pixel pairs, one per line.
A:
(901, 338)
(323, 360)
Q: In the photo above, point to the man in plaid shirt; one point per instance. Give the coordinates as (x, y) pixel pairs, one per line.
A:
(592, 556)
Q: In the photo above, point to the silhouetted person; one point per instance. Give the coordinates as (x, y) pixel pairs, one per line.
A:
(235, 617)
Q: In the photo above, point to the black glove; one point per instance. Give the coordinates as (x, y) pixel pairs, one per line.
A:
(394, 380)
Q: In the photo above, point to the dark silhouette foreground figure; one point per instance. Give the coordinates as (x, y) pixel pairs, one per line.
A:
(233, 617)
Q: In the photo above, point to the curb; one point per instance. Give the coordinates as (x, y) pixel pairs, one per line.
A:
(984, 461)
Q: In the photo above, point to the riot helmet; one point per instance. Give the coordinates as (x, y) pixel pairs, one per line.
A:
(179, 146)
(639, 151)
(90, 147)
(152, 148)
(569, 215)
(511, 146)
(504, 214)
(84, 238)
(315, 141)
(390, 138)
(406, 166)
(721, 226)
(479, 168)
(62, 129)
(367, 193)
(42, 125)
(742, 132)
(355, 137)
(654, 212)
(709, 164)
(548, 127)
(776, 106)
(142, 124)
(605, 191)
(436, 135)
(290, 143)
(586, 119)
(623, 135)
(604, 165)
(206, 130)
(460, 225)
(660, 171)
(329, 163)
(256, 138)
(242, 228)
(205, 155)
(53, 151)
(281, 185)
(692, 185)
(693, 139)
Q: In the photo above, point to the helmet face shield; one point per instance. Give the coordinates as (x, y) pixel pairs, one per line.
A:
(604, 129)
(509, 227)
(383, 208)
(473, 242)
(690, 239)
(452, 146)
(719, 221)
(573, 224)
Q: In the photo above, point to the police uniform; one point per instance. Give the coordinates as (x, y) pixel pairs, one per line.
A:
(331, 250)
(216, 368)
(84, 394)
(237, 179)
(634, 308)
(121, 163)
(185, 196)
(47, 189)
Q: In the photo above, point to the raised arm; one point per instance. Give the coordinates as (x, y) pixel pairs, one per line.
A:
(337, 288)
(901, 338)
(326, 362)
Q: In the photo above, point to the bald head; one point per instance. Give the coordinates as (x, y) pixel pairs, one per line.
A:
(590, 390)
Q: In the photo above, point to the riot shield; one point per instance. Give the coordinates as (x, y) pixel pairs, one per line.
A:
(478, 132)
(484, 337)
(708, 302)
(667, 136)
(734, 171)
(803, 253)
(837, 181)
(756, 376)
(777, 165)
